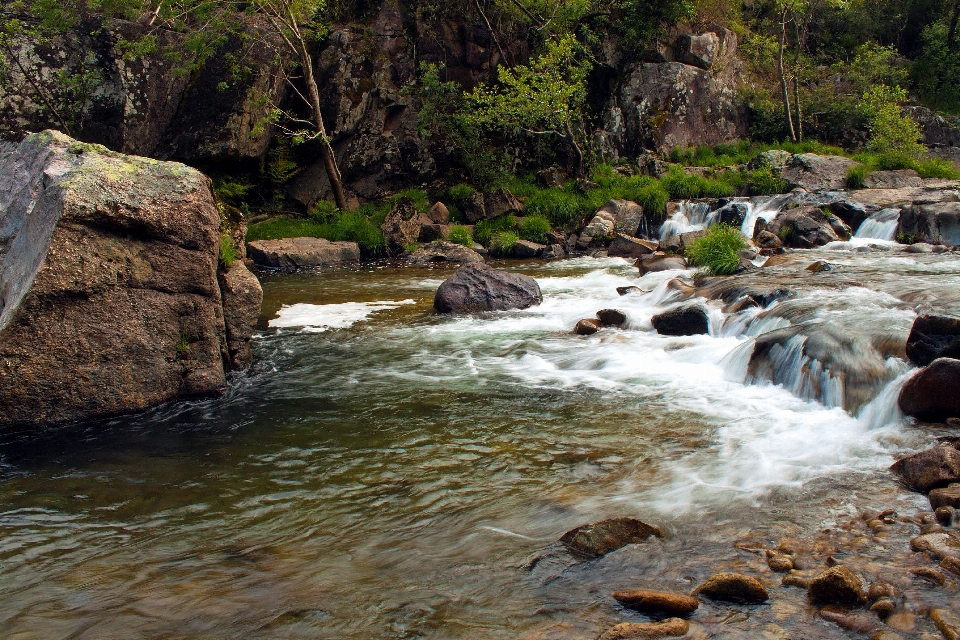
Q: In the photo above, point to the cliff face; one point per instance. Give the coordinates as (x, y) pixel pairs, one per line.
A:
(111, 301)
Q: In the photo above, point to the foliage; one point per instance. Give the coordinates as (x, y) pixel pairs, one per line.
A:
(461, 235)
(411, 247)
(936, 72)
(718, 249)
(484, 230)
(534, 228)
(764, 181)
(926, 167)
(502, 242)
(891, 132)
(324, 211)
(645, 19)
(857, 175)
(681, 186)
(230, 189)
(349, 225)
(419, 197)
(460, 192)
(558, 205)
(228, 253)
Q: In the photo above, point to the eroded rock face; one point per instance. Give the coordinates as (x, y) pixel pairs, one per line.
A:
(478, 287)
(291, 254)
(933, 337)
(937, 466)
(937, 223)
(109, 280)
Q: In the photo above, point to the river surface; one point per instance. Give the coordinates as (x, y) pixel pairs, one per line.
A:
(387, 472)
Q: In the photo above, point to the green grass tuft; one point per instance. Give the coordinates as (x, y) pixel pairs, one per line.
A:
(856, 176)
(764, 182)
(353, 226)
(228, 253)
(535, 228)
(502, 242)
(484, 230)
(461, 235)
(717, 250)
(681, 186)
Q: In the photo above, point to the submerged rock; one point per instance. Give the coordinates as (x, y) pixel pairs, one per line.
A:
(933, 337)
(600, 538)
(940, 545)
(945, 497)
(611, 317)
(291, 254)
(672, 604)
(838, 585)
(111, 301)
(733, 587)
(935, 467)
(478, 287)
(933, 393)
(587, 327)
(444, 251)
(671, 628)
(683, 321)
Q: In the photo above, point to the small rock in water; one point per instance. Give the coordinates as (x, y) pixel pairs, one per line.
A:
(819, 266)
(587, 326)
(837, 585)
(623, 291)
(929, 573)
(933, 393)
(883, 608)
(951, 564)
(882, 590)
(852, 621)
(945, 515)
(600, 538)
(953, 422)
(929, 469)
(682, 321)
(940, 545)
(795, 580)
(648, 630)
(948, 623)
(611, 317)
(673, 604)
(886, 635)
(733, 587)
(780, 562)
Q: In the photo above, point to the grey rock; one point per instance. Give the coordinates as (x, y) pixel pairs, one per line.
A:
(526, 250)
(477, 287)
(628, 216)
(291, 254)
(774, 159)
(932, 223)
(628, 247)
(899, 179)
(431, 232)
(686, 320)
(817, 173)
(439, 214)
(933, 337)
(805, 227)
(444, 252)
(933, 393)
(699, 51)
(554, 252)
(402, 225)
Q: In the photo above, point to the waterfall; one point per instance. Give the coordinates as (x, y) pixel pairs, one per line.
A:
(689, 216)
(767, 208)
(880, 226)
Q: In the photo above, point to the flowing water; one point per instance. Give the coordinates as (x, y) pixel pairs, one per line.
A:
(384, 471)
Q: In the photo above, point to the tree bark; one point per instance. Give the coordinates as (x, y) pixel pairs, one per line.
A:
(783, 77)
(326, 150)
(572, 141)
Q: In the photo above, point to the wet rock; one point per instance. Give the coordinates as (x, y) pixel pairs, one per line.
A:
(611, 317)
(648, 630)
(587, 327)
(948, 623)
(629, 247)
(733, 587)
(438, 213)
(883, 607)
(881, 590)
(526, 250)
(886, 635)
(795, 580)
(242, 297)
(932, 223)
(732, 214)
(431, 232)
(657, 602)
(478, 287)
(682, 321)
(931, 468)
(896, 179)
(766, 240)
(817, 173)
(780, 562)
(951, 564)
(628, 217)
(603, 226)
(933, 393)
(851, 213)
(553, 252)
(933, 337)
(806, 227)
(402, 225)
(600, 538)
(945, 515)
(929, 574)
(859, 623)
(655, 263)
(818, 266)
(945, 497)
(291, 254)
(939, 545)
(625, 291)
(444, 251)
(837, 585)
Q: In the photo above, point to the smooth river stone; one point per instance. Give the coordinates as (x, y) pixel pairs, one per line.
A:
(733, 587)
(838, 585)
(673, 604)
(600, 538)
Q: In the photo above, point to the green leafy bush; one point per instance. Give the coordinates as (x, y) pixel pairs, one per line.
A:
(419, 198)
(891, 132)
(937, 168)
(228, 253)
(484, 230)
(558, 205)
(502, 242)
(764, 181)
(324, 211)
(534, 228)
(460, 192)
(461, 235)
(856, 176)
(717, 250)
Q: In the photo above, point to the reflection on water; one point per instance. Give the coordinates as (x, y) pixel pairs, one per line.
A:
(392, 477)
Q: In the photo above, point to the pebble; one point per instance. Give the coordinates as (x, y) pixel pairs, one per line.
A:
(882, 590)
(928, 573)
(587, 326)
(733, 587)
(638, 631)
(673, 604)
(902, 621)
(795, 580)
(947, 623)
(854, 622)
(945, 515)
(951, 564)
(780, 563)
(883, 608)
(838, 585)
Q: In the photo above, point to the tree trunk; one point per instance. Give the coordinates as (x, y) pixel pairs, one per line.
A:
(783, 78)
(326, 150)
(572, 141)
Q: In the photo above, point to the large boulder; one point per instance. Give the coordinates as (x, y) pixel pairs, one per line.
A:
(628, 217)
(481, 206)
(109, 281)
(292, 254)
(807, 227)
(698, 50)
(444, 251)
(934, 392)
(624, 246)
(933, 223)
(817, 173)
(402, 226)
(603, 226)
(933, 337)
(931, 468)
(478, 287)
(899, 179)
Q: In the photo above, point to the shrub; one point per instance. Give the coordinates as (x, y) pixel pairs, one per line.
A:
(937, 168)
(324, 211)
(856, 176)
(891, 132)
(764, 181)
(460, 192)
(350, 225)
(419, 198)
(681, 186)
(717, 250)
(484, 230)
(502, 242)
(228, 253)
(534, 228)
(461, 235)
(411, 247)
(558, 205)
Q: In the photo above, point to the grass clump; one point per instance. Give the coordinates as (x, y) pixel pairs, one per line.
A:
(857, 176)
(535, 228)
(460, 192)
(892, 161)
(352, 226)
(228, 253)
(502, 242)
(937, 168)
(484, 230)
(461, 235)
(764, 182)
(681, 186)
(717, 250)
(558, 205)
(420, 201)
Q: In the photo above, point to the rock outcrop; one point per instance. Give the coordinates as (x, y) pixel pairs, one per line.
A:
(817, 173)
(937, 223)
(444, 252)
(292, 254)
(109, 280)
(478, 287)
(933, 337)
(808, 227)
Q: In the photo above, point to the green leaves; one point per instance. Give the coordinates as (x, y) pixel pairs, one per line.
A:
(891, 132)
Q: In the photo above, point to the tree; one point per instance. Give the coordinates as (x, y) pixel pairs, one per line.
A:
(543, 98)
(892, 132)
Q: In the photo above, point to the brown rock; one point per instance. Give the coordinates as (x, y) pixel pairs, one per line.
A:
(882, 590)
(611, 317)
(600, 538)
(767, 240)
(934, 467)
(500, 202)
(431, 232)
(896, 179)
(883, 607)
(242, 297)
(837, 585)
(672, 604)
(933, 337)
(526, 250)
(587, 326)
(443, 251)
(930, 574)
(795, 580)
(629, 247)
(627, 215)
(948, 624)
(933, 393)
(852, 621)
(439, 214)
(688, 320)
(902, 621)
(945, 515)
(939, 545)
(951, 564)
(733, 587)
(291, 254)
(647, 631)
(402, 225)
(780, 562)
(655, 263)
(886, 635)
(945, 497)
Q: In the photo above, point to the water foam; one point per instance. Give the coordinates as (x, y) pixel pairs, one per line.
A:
(321, 317)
